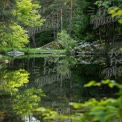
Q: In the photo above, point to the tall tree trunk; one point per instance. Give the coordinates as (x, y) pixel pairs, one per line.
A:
(34, 42)
(61, 19)
(71, 12)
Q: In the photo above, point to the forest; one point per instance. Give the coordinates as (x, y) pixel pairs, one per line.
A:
(66, 34)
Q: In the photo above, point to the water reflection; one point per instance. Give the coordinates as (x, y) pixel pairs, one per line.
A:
(53, 70)
(10, 81)
(23, 83)
(15, 98)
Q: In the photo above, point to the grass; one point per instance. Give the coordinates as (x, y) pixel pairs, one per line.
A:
(33, 51)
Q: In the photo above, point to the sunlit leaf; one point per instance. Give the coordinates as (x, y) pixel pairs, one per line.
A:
(91, 83)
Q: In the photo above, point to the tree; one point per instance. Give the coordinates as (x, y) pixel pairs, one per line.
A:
(16, 16)
(80, 20)
(116, 11)
(26, 13)
(65, 40)
(13, 36)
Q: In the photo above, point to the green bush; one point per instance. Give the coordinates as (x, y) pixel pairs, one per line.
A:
(103, 110)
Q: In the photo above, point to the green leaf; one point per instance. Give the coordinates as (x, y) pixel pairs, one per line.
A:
(91, 83)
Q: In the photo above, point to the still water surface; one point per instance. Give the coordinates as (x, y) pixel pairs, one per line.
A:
(61, 79)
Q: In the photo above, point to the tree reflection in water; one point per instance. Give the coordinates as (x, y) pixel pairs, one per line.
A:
(15, 98)
(61, 79)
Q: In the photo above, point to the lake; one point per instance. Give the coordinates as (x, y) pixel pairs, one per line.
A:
(33, 85)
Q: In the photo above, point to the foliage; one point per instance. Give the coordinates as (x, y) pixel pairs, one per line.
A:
(16, 16)
(103, 110)
(65, 40)
(80, 20)
(116, 12)
(104, 4)
(15, 36)
(24, 13)
(27, 101)
(23, 100)
(10, 81)
(101, 19)
(45, 113)
(27, 13)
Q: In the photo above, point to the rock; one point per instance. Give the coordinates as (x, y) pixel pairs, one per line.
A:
(15, 53)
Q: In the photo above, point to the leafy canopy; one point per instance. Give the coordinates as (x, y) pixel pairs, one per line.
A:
(116, 12)
(103, 110)
(27, 13)
(65, 40)
(15, 17)
(14, 36)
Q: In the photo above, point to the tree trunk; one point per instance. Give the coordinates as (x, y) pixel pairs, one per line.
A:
(33, 41)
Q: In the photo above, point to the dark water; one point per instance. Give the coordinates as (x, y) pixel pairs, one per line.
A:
(61, 79)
